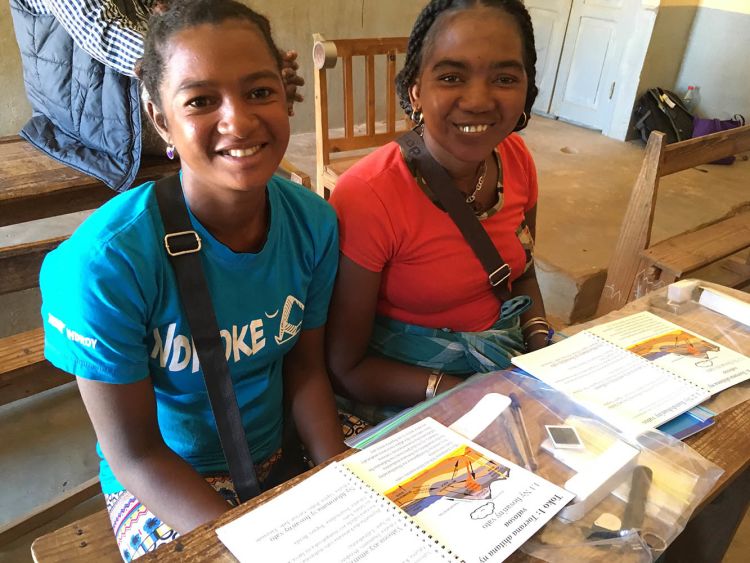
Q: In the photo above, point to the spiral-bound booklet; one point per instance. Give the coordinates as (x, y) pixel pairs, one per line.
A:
(425, 494)
(637, 370)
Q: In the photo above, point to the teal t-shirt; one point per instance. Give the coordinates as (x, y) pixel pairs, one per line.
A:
(112, 313)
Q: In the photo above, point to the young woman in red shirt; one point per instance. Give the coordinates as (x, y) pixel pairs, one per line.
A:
(413, 312)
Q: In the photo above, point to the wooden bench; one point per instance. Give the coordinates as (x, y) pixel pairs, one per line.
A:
(87, 539)
(23, 370)
(679, 256)
(34, 186)
(638, 266)
(20, 263)
(55, 509)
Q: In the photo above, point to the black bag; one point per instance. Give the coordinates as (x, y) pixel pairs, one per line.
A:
(662, 110)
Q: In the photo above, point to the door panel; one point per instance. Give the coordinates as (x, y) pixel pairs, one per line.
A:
(550, 20)
(593, 42)
(593, 48)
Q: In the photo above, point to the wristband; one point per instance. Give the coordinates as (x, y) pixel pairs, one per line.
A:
(433, 380)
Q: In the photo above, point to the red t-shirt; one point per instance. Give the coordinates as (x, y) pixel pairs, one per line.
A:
(430, 275)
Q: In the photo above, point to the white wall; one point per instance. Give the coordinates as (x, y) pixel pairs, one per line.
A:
(703, 43)
(717, 58)
(14, 107)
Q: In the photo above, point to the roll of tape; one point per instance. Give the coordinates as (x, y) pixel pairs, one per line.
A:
(324, 54)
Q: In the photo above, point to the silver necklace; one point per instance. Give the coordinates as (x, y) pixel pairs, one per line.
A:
(471, 197)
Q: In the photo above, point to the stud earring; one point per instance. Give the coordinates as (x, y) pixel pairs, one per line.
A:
(170, 152)
(525, 121)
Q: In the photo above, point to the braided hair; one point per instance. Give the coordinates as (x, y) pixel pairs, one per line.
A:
(171, 17)
(423, 34)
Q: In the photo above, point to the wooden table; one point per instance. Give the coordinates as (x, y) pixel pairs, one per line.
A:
(726, 444)
(34, 185)
(721, 444)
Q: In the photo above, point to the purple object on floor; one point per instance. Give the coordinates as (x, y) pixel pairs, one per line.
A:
(704, 126)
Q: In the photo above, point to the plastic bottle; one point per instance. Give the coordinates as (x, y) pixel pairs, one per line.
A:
(690, 98)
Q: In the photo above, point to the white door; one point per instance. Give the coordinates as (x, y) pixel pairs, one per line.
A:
(597, 33)
(550, 20)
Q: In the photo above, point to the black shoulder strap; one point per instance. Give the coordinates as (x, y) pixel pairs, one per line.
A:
(182, 245)
(498, 271)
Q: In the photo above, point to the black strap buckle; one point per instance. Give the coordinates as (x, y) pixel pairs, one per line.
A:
(500, 275)
(169, 236)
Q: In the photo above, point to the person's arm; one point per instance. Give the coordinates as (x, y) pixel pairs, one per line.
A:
(124, 419)
(355, 374)
(103, 31)
(310, 397)
(527, 285)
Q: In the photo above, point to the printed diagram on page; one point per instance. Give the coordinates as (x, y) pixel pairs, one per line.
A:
(679, 343)
(461, 475)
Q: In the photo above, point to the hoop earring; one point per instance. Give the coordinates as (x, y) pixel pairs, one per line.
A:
(170, 152)
(525, 121)
(417, 117)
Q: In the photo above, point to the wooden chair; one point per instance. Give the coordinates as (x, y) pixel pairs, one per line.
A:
(326, 54)
(291, 172)
(637, 266)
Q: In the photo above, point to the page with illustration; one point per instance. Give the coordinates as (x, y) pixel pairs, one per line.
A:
(620, 387)
(678, 350)
(329, 517)
(477, 504)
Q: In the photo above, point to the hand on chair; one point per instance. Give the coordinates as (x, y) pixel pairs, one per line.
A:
(291, 79)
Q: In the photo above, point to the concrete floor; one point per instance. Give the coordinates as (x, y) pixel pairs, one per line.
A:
(585, 180)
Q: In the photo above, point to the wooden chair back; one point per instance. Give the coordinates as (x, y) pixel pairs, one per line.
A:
(326, 54)
(637, 266)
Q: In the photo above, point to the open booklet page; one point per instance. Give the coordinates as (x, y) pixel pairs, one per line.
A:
(678, 350)
(327, 518)
(622, 388)
(478, 505)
